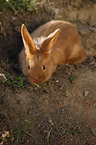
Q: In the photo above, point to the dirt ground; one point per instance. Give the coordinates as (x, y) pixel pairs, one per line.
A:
(62, 110)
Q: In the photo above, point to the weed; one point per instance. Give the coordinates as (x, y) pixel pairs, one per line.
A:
(22, 133)
(71, 79)
(20, 4)
(43, 87)
(2, 3)
(13, 82)
(19, 82)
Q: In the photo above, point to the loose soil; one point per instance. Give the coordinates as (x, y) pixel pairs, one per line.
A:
(62, 110)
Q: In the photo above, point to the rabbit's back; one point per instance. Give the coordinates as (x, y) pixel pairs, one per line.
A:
(68, 42)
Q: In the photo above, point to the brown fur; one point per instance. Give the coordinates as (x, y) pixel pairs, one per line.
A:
(62, 45)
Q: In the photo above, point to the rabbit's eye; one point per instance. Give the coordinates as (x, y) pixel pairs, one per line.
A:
(43, 67)
(28, 67)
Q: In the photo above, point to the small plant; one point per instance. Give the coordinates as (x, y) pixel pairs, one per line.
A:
(19, 82)
(18, 5)
(13, 82)
(2, 3)
(32, 5)
(71, 79)
(22, 133)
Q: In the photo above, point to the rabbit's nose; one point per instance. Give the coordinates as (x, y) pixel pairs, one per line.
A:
(40, 79)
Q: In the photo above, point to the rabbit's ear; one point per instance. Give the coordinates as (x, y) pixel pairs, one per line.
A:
(27, 40)
(49, 41)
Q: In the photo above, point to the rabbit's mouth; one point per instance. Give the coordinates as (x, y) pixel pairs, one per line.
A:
(39, 80)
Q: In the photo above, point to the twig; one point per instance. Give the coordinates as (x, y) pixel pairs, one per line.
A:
(14, 10)
(48, 135)
(10, 125)
(2, 29)
(2, 75)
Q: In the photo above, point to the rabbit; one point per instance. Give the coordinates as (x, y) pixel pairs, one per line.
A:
(54, 43)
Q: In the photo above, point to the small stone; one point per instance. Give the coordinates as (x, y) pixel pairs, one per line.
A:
(93, 130)
(50, 121)
(57, 81)
(86, 93)
(13, 18)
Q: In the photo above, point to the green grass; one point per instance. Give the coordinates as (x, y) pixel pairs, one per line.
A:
(71, 79)
(18, 136)
(18, 83)
(22, 133)
(18, 5)
(13, 82)
(26, 5)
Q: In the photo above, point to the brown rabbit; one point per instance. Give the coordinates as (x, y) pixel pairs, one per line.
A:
(56, 42)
